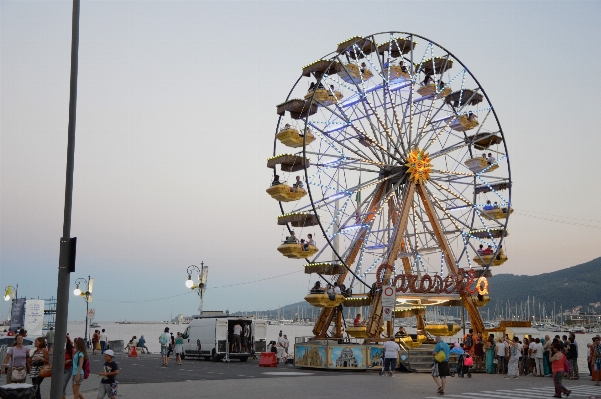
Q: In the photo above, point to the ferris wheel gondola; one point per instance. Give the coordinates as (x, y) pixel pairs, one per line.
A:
(392, 127)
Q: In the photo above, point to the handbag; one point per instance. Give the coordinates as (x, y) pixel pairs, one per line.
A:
(495, 361)
(18, 374)
(45, 371)
(440, 356)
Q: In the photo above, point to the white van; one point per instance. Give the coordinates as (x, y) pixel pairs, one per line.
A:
(212, 337)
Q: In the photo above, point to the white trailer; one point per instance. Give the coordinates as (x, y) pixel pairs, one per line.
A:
(212, 338)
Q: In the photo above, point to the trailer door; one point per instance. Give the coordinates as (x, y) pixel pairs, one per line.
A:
(221, 335)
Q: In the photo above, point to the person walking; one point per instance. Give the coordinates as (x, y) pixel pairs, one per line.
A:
(558, 370)
(501, 356)
(108, 383)
(79, 359)
(440, 369)
(179, 348)
(513, 366)
(490, 347)
(595, 358)
(572, 355)
(104, 339)
(38, 359)
(164, 341)
(18, 355)
(69, 352)
(50, 339)
(95, 341)
(391, 354)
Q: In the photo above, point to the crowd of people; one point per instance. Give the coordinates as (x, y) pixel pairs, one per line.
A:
(21, 362)
(280, 347)
(537, 357)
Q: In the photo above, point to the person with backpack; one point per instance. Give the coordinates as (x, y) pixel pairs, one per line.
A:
(164, 341)
(81, 363)
(468, 341)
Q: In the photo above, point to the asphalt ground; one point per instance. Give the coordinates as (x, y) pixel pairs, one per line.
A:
(143, 377)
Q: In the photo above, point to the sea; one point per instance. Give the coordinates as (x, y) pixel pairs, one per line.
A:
(152, 331)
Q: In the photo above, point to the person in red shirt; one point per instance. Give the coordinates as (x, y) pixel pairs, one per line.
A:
(358, 322)
(487, 251)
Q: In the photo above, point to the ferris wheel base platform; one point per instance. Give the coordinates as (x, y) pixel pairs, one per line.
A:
(330, 354)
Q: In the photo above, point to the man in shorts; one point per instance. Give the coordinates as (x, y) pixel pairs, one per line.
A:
(164, 341)
(440, 370)
(237, 341)
(108, 384)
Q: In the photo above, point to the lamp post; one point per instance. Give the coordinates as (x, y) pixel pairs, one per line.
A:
(87, 296)
(202, 272)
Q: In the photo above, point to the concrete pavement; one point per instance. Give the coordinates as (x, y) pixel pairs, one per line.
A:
(143, 378)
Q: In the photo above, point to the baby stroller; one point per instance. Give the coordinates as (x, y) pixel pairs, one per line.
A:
(464, 365)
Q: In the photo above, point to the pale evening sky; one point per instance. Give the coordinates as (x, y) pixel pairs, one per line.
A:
(176, 115)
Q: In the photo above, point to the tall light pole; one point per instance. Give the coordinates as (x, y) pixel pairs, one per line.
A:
(66, 262)
(202, 281)
(87, 296)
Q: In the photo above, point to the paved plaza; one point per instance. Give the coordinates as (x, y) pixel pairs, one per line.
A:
(143, 378)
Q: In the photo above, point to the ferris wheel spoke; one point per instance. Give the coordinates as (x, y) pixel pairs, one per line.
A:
(381, 123)
(364, 157)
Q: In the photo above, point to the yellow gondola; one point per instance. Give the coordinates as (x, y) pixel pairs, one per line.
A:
(396, 74)
(430, 90)
(352, 74)
(285, 193)
(323, 301)
(484, 260)
(292, 138)
(325, 97)
(479, 164)
(484, 301)
(357, 332)
(496, 213)
(411, 343)
(462, 124)
(444, 330)
(295, 250)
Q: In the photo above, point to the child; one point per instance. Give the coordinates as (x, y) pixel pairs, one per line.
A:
(108, 385)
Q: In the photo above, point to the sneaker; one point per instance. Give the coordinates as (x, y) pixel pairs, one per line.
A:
(568, 393)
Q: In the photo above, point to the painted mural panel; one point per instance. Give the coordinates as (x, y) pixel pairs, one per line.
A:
(347, 357)
(310, 356)
(376, 355)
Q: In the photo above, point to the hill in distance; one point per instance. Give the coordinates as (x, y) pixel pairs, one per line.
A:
(571, 287)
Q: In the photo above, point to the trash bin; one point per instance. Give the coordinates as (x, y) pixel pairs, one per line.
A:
(17, 391)
(116, 346)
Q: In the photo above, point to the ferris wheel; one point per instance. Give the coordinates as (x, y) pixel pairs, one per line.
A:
(389, 153)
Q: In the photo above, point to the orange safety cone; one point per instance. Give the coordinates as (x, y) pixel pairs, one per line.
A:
(132, 352)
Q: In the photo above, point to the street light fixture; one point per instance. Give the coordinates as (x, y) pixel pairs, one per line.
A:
(9, 293)
(87, 296)
(202, 281)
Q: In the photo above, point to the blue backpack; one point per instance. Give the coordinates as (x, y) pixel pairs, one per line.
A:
(163, 339)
